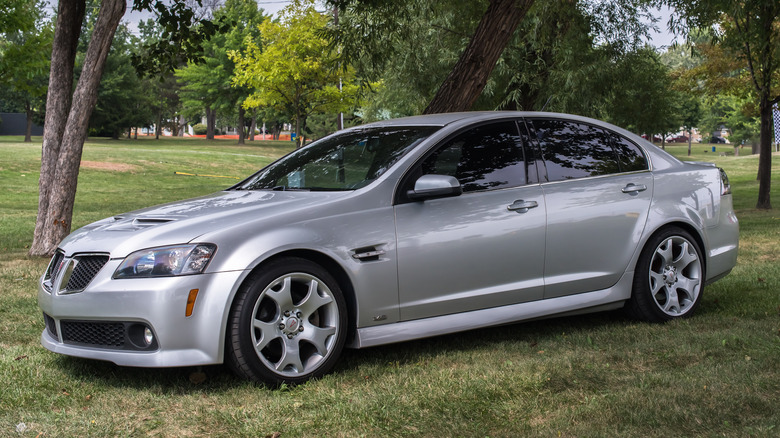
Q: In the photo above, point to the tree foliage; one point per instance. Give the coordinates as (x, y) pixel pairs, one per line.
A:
(565, 56)
(744, 50)
(17, 15)
(124, 99)
(206, 86)
(294, 69)
(68, 109)
(24, 63)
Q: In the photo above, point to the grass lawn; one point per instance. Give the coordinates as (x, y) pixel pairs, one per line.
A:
(716, 374)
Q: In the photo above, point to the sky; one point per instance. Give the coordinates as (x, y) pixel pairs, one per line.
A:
(663, 38)
(131, 18)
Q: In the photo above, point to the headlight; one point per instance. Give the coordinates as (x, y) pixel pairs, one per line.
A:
(166, 261)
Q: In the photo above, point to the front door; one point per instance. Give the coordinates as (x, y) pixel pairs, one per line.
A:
(482, 249)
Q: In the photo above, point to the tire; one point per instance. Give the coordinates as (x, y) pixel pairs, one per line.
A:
(668, 279)
(287, 324)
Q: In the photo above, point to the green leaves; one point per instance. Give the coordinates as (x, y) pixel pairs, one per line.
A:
(293, 68)
(181, 39)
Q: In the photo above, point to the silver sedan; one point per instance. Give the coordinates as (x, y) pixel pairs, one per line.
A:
(393, 231)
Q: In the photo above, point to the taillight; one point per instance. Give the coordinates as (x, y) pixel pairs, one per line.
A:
(725, 186)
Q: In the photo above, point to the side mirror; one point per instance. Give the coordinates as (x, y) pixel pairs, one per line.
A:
(434, 186)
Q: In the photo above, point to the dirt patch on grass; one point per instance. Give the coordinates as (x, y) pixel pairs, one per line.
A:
(106, 165)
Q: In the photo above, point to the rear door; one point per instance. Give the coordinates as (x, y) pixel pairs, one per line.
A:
(597, 189)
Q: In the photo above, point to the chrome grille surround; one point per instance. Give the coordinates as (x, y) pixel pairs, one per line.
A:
(72, 274)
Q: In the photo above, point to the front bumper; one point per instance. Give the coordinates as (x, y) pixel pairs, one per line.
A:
(117, 308)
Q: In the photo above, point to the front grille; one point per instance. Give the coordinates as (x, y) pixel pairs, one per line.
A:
(51, 326)
(86, 269)
(97, 334)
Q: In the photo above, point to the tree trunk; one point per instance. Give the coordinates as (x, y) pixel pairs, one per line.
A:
(211, 119)
(297, 131)
(689, 141)
(241, 132)
(158, 128)
(70, 14)
(765, 153)
(469, 76)
(61, 167)
(253, 125)
(28, 128)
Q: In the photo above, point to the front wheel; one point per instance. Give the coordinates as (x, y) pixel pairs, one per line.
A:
(669, 277)
(288, 323)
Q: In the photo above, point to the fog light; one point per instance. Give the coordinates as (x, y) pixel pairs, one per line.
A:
(148, 336)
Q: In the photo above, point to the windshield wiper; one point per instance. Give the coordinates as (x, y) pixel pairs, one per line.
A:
(287, 189)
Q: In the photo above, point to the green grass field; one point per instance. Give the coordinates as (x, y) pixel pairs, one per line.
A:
(716, 374)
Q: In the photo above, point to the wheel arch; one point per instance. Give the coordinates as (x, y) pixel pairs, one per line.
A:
(329, 264)
(688, 227)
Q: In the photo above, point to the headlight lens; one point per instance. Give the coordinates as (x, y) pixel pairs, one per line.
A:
(166, 261)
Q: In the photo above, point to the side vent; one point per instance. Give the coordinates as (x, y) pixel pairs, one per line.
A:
(368, 254)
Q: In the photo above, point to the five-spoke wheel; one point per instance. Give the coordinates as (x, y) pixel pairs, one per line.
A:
(669, 277)
(288, 323)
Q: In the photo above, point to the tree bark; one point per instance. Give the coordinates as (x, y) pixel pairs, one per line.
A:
(69, 117)
(28, 128)
(297, 131)
(253, 125)
(468, 78)
(690, 139)
(211, 119)
(158, 127)
(765, 154)
(241, 131)
(70, 14)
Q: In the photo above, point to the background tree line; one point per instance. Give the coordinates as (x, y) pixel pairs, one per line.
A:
(232, 65)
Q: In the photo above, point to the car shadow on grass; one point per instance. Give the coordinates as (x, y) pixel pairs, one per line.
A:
(530, 336)
(179, 380)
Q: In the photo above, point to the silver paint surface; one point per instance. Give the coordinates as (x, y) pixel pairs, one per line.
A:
(443, 265)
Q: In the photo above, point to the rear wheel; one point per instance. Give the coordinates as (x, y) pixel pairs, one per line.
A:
(669, 277)
(287, 324)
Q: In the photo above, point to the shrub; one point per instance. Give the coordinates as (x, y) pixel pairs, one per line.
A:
(199, 129)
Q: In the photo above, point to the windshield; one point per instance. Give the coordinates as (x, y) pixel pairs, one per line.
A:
(345, 161)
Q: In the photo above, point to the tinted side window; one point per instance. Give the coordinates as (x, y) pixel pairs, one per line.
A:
(574, 150)
(486, 157)
(630, 155)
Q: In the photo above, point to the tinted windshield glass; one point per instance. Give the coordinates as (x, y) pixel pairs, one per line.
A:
(346, 161)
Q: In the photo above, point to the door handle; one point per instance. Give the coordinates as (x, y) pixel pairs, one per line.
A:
(521, 206)
(633, 189)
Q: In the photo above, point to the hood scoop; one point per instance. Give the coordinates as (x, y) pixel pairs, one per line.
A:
(122, 223)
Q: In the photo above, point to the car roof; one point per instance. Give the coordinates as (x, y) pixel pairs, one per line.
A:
(445, 119)
(660, 158)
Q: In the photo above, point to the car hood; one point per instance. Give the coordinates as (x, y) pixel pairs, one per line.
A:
(184, 221)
